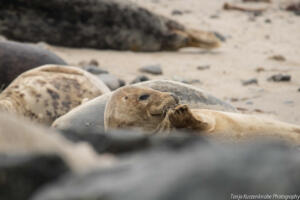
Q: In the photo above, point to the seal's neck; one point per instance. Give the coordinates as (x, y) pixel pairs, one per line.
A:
(164, 127)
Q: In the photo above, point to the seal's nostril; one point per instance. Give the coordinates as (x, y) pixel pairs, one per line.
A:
(175, 97)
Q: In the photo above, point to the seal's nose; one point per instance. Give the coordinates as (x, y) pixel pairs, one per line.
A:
(175, 97)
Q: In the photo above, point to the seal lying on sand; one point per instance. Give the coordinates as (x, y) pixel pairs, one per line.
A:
(102, 24)
(16, 58)
(155, 112)
(91, 114)
(47, 92)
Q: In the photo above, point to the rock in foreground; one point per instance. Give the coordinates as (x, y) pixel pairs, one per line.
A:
(194, 170)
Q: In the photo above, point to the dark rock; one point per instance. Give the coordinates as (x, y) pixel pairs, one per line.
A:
(94, 62)
(113, 142)
(215, 16)
(102, 24)
(257, 13)
(250, 81)
(298, 89)
(259, 69)
(152, 69)
(122, 82)
(16, 58)
(203, 67)
(280, 58)
(280, 78)
(121, 142)
(140, 78)
(95, 70)
(21, 176)
(196, 170)
(268, 21)
(220, 36)
(176, 12)
(111, 81)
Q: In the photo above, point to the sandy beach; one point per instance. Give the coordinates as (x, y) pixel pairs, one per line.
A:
(251, 42)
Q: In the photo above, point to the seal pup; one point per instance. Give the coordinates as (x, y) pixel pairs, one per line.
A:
(101, 24)
(48, 92)
(91, 114)
(153, 111)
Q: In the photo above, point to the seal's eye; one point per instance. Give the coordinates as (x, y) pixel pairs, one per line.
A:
(144, 97)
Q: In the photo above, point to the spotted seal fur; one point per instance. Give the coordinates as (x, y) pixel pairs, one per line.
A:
(48, 92)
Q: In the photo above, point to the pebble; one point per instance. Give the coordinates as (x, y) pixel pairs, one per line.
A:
(183, 80)
(279, 78)
(215, 16)
(203, 67)
(268, 21)
(152, 69)
(92, 62)
(176, 12)
(220, 36)
(250, 81)
(249, 102)
(289, 102)
(298, 89)
(140, 78)
(260, 69)
(280, 58)
(94, 69)
(111, 81)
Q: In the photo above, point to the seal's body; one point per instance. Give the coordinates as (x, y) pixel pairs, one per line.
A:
(158, 112)
(101, 24)
(45, 93)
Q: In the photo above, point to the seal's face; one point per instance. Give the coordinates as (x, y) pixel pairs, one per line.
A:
(135, 107)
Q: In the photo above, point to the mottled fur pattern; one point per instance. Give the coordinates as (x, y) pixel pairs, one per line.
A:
(134, 113)
(46, 93)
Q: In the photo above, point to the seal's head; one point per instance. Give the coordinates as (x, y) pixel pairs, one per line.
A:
(136, 107)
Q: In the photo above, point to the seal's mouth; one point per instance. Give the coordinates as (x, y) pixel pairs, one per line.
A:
(164, 110)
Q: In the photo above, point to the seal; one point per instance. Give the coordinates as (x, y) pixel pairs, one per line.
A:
(48, 92)
(16, 58)
(91, 114)
(153, 111)
(101, 24)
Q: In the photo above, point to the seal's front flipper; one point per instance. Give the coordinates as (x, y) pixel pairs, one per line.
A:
(198, 38)
(182, 117)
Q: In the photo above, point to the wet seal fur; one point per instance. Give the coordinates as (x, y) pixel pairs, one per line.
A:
(48, 92)
(153, 111)
(101, 24)
(16, 58)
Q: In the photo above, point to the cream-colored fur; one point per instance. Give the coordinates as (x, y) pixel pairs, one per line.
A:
(232, 125)
(125, 111)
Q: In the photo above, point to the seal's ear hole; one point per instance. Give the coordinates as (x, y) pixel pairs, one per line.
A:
(144, 97)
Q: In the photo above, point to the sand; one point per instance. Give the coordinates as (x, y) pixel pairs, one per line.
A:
(250, 42)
